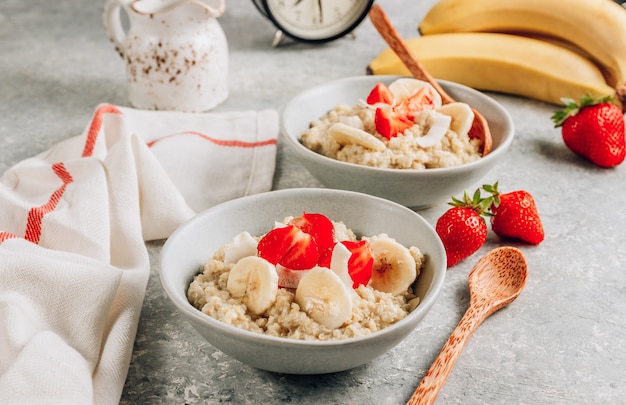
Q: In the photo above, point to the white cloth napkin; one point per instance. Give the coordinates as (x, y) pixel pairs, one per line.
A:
(73, 221)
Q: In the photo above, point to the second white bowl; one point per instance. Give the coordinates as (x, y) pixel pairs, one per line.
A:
(413, 188)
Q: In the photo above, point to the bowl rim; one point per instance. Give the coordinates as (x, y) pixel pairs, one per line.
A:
(179, 298)
(294, 139)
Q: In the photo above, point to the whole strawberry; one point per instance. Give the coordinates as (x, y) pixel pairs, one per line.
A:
(515, 215)
(462, 228)
(593, 129)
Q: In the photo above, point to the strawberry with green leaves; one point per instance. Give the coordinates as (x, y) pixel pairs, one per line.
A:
(462, 228)
(515, 215)
(593, 129)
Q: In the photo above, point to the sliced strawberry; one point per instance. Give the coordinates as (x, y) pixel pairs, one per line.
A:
(410, 106)
(393, 121)
(360, 263)
(289, 246)
(380, 94)
(325, 258)
(389, 123)
(275, 243)
(301, 256)
(320, 227)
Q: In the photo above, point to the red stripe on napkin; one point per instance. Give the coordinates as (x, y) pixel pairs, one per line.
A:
(36, 214)
(7, 235)
(219, 142)
(96, 125)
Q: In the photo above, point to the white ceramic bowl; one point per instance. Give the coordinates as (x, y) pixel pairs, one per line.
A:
(413, 188)
(194, 242)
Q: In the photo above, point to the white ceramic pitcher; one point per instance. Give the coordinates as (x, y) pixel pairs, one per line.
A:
(175, 51)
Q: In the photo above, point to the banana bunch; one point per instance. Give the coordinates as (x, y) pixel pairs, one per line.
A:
(541, 49)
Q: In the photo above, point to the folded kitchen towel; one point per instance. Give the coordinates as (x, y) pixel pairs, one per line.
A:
(73, 221)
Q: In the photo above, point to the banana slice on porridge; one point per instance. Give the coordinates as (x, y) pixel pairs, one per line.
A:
(462, 117)
(324, 297)
(345, 135)
(394, 267)
(256, 281)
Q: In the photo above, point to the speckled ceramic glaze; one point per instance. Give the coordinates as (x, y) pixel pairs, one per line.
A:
(188, 248)
(175, 51)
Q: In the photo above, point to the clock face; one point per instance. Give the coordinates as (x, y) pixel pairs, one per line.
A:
(317, 20)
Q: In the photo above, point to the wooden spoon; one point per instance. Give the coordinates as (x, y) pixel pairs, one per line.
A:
(480, 128)
(495, 281)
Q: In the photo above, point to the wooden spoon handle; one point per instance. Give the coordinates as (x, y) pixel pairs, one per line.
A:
(394, 40)
(480, 128)
(434, 379)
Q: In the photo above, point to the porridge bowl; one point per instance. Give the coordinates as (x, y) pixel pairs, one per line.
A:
(189, 247)
(416, 188)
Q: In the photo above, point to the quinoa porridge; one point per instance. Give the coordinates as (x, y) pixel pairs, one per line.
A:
(289, 315)
(422, 144)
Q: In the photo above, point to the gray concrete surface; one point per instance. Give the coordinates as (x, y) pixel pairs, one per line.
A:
(561, 342)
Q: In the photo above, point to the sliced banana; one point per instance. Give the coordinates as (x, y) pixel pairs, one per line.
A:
(394, 267)
(462, 117)
(352, 121)
(324, 297)
(255, 280)
(243, 245)
(406, 87)
(346, 135)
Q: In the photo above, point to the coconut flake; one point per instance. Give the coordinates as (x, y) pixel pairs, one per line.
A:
(243, 245)
(439, 128)
(339, 265)
(375, 105)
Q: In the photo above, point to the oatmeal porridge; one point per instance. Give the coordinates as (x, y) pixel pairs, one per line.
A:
(403, 126)
(344, 287)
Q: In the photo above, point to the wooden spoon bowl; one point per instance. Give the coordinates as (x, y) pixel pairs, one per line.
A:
(480, 128)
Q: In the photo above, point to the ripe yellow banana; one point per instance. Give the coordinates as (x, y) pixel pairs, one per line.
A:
(502, 63)
(598, 27)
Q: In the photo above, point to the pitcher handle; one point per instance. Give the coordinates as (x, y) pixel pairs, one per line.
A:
(113, 24)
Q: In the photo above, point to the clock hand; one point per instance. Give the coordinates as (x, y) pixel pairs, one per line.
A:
(319, 5)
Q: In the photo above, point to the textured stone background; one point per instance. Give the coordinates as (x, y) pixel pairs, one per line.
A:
(561, 342)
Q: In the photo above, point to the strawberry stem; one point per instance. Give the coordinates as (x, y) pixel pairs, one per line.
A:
(571, 107)
(481, 205)
(495, 193)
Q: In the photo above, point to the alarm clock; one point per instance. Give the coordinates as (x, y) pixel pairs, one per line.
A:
(314, 21)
